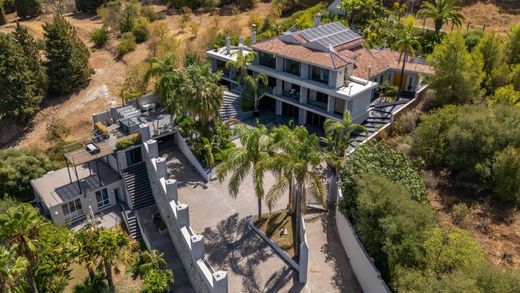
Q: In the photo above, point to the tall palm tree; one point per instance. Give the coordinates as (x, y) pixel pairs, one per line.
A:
(169, 81)
(405, 44)
(250, 158)
(203, 95)
(296, 160)
(338, 136)
(12, 270)
(255, 83)
(114, 247)
(21, 227)
(442, 11)
(241, 63)
(86, 246)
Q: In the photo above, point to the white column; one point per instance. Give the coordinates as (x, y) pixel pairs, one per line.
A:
(330, 104)
(278, 110)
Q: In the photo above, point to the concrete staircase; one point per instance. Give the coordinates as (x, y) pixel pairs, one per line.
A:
(138, 186)
(231, 106)
(376, 119)
(132, 225)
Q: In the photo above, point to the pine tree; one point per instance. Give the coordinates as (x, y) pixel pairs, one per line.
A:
(32, 57)
(67, 57)
(28, 8)
(20, 95)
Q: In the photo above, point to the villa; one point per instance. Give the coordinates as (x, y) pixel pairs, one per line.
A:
(318, 73)
(105, 175)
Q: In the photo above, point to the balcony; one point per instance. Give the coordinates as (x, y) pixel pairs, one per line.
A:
(317, 104)
(292, 94)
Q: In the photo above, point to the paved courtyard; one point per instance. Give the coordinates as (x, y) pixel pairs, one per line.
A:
(231, 246)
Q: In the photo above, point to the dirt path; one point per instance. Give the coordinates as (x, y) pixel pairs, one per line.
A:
(104, 86)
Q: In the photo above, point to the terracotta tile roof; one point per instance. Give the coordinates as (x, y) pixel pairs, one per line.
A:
(383, 59)
(326, 59)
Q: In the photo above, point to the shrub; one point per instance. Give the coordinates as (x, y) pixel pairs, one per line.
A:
(390, 224)
(459, 212)
(141, 30)
(406, 123)
(128, 141)
(89, 5)
(157, 281)
(246, 4)
(126, 44)
(99, 37)
(378, 158)
(148, 12)
(17, 168)
(472, 38)
(57, 130)
(101, 127)
(506, 175)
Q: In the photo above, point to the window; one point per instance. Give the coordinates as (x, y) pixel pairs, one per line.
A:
(102, 198)
(268, 60)
(72, 210)
(410, 83)
(319, 74)
(292, 67)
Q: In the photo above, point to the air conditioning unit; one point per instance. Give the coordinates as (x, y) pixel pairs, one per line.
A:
(92, 148)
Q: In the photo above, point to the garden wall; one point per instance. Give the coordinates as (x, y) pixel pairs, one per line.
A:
(180, 141)
(189, 246)
(367, 274)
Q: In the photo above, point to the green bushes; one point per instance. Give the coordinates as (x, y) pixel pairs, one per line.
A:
(28, 8)
(126, 44)
(473, 142)
(141, 30)
(99, 37)
(128, 141)
(101, 127)
(378, 158)
(17, 168)
(89, 5)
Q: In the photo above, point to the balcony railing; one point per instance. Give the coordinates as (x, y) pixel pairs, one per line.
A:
(292, 94)
(317, 104)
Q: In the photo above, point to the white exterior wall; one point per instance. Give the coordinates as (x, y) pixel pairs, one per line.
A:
(56, 212)
(360, 106)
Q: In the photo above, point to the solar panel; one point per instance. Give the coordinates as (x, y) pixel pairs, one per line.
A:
(328, 34)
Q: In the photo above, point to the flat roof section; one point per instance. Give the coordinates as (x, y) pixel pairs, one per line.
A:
(56, 187)
(82, 156)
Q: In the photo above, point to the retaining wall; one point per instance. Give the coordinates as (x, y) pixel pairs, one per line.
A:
(189, 245)
(180, 141)
(367, 274)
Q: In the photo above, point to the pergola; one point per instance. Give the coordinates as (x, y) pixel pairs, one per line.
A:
(84, 156)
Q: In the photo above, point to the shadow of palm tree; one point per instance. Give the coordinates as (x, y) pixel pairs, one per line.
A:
(233, 246)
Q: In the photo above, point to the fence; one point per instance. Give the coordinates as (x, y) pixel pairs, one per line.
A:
(189, 245)
(367, 274)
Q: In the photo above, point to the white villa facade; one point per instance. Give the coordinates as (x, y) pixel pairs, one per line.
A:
(320, 72)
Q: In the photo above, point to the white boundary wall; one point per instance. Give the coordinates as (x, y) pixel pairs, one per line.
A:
(367, 274)
(180, 141)
(189, 246)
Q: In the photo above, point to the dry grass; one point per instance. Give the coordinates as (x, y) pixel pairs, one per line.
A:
(122, 281)
(103, 89)
(494, 17)
(273, 225)
(495, 227)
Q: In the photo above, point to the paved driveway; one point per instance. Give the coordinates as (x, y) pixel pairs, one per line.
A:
(231, 246)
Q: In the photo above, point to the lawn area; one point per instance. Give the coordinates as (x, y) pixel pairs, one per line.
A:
(278, 226)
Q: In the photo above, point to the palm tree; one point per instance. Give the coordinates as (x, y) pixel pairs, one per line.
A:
(12, 269)
(21, 227)
(406, 44)
(114, 247)
(241, 63)
(296, 160)
(442, 11)
(338, 136)
(86, 241)
(250, 158)
(169, 81)
(146, 262)
(255, 83)
(203, 95)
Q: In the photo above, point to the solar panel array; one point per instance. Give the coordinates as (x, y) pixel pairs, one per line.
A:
(330, 34)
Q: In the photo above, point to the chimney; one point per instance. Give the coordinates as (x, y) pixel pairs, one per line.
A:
(241, 46)
(317, 19)
(253, 35)
(228, 45)
(331, 48)
(369, 72)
